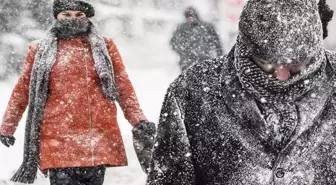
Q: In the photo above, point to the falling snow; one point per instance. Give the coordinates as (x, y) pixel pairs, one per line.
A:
(213, 135)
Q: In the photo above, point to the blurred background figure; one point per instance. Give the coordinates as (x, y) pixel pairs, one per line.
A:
(195, 40)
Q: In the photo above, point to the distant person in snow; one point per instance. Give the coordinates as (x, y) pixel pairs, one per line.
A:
(195, 40)
(262, 115)
(71, 81)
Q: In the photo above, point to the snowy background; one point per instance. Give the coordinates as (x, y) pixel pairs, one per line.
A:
(141, 30)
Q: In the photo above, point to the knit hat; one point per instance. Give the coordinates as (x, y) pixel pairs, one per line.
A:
(290, 28)
(63, 5)
(282, 32)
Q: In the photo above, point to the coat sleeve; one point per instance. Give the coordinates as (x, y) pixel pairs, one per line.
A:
(176, 41)
(20, 96)
(216, 41)
(171, 162)
(128, 100)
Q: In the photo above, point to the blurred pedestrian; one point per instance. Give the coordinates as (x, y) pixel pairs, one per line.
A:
(195, 40)
(71, 81)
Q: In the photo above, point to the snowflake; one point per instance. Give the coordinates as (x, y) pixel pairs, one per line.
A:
(206, 89)
(263, 100)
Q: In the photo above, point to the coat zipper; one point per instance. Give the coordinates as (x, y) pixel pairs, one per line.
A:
(89, 103)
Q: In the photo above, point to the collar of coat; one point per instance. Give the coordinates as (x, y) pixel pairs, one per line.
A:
(215, 84)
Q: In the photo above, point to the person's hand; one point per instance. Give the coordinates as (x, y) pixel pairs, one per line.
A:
(7, 140)
(143, 142)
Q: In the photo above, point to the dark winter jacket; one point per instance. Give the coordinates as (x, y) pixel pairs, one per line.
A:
(196, 43)
(212, 132)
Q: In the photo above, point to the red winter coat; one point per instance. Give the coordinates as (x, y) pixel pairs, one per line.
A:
(79, 125)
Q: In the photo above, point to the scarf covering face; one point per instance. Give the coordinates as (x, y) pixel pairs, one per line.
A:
(72, 28)
(44, 61)
(283, 32)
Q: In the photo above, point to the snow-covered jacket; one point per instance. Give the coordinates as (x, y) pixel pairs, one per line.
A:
(79, 126)
(212, 132)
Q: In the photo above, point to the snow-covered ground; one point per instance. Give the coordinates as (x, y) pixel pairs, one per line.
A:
(150, 85)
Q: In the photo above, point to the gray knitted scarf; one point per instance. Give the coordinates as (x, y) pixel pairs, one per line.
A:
(44, 61)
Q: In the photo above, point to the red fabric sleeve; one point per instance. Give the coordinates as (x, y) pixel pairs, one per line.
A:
(20, 96)
(127, 98)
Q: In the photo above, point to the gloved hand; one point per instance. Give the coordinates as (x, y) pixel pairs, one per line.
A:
(7, 140)
(143, 142)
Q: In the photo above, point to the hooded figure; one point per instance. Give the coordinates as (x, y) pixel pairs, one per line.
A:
(71, 82)
(262, 115)
(195, 40)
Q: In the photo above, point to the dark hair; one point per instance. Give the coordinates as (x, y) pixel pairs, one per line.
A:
(326, 15)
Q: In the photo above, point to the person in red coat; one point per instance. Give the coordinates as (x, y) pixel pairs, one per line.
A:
(71, 81)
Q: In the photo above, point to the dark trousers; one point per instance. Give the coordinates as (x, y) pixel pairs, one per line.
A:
(77, 176)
